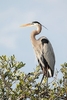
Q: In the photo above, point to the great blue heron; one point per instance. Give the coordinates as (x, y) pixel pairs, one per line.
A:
(43, 50)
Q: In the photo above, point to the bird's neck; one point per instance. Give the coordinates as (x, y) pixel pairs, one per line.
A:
(34, 33)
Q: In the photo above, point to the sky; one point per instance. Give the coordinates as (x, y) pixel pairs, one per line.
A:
(16, 40)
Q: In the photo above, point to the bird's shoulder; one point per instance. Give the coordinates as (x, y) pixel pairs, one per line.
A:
(43, 40)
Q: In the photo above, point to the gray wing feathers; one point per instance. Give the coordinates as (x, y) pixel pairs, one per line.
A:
(49, 54)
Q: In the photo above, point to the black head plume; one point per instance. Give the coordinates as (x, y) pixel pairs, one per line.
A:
(39, 23)
(36, 22)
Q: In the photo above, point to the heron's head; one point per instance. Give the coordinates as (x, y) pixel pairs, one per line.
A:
(34, 23)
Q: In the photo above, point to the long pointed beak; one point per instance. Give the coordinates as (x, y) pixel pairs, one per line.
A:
(25, 25)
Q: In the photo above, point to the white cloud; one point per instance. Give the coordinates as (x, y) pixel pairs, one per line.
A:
(8, 29)
(10, 26)
(8, 41)
(12, 18)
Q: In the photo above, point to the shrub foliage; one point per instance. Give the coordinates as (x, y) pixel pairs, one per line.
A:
(17, 85)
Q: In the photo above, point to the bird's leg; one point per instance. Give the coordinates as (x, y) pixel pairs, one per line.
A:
(45, 73)
(47, 81)
(47, 78)
(43, 70)
(42, 79)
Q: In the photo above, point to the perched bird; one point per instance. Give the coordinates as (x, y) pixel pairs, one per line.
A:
(43, 50)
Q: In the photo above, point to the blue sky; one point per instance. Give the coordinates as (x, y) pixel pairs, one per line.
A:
(16, 40)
